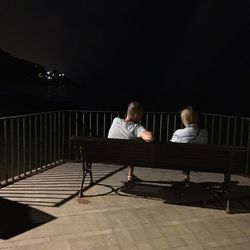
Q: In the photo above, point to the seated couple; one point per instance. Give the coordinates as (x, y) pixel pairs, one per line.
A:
(129, 128)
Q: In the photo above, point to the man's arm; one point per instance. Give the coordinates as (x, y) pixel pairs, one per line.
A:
(147, 136)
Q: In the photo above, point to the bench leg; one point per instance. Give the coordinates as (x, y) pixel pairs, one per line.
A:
(228, 209)
(187, 177)
(86, 169)
(226, 190)
(83, 178)
(89, 171)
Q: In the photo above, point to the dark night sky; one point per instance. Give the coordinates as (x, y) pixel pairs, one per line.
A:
(187, 52)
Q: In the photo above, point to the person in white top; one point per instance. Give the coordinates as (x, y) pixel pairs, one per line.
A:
(128, 128)
(191, 133)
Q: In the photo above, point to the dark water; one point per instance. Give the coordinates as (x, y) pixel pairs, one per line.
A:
(109, 98)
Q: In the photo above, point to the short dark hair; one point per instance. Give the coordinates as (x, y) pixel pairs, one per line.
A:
(134, 107)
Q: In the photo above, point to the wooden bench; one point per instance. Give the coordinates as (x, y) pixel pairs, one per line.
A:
(178, 156)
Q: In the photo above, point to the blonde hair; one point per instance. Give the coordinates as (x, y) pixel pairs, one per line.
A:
(134, 108)
(189, 116)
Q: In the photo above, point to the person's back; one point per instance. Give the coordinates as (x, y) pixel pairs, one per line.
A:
(191, 133)
(121, 129)
(128, 128)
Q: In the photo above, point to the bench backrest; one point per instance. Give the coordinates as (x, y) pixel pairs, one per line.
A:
(180, 156)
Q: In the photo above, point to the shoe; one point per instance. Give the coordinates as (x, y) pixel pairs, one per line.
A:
(133, 179)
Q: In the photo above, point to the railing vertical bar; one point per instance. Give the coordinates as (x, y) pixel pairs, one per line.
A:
(63, 135)
(97, 124)
(241, 132)
(228, 127)
(154, 123)
(205, 121)
(90, 124)
(18, 148)
(140, 122)
(167, 132)
(220, 123)
(248, 148)
(29, 139)
(50, 139)
(12, 148)
(111, 118)
(69, 135)
(212, 130)
(147, 121)
(76, 124)
(54, 142)
(24, 146)
(41, 140)
(234, 135)
(2, 163)
(104, 125)
(59, 136)
(35, 142)
(5, 150)
(160, 132)
(175, 121)
(45, 139)
(83, 123)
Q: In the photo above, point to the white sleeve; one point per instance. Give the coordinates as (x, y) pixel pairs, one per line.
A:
(174, 138)
(177, 136)
(138, 130)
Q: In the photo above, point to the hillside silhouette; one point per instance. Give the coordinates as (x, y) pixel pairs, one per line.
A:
(27, 87)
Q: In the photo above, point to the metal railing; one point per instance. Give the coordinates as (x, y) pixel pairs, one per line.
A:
(32, 143)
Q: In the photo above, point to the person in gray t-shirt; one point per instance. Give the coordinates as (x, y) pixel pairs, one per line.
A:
(128, 129)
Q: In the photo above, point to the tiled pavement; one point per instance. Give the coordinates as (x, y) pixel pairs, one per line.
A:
(44, 212)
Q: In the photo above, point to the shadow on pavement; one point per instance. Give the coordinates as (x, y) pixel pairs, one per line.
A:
(17, 218)
(205, 194)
